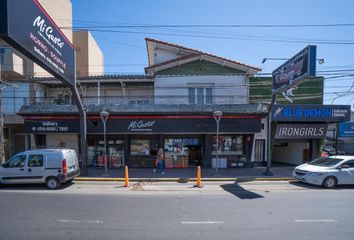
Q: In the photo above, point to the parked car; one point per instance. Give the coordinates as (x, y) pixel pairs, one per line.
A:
(330, 151)
(49, 166)
(327, 171)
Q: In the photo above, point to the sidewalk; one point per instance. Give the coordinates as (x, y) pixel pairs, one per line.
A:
(229, 174)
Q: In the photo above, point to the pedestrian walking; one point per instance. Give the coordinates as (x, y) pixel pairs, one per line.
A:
(160, 160)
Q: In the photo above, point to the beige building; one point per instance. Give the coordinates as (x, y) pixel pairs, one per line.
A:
(89, 57)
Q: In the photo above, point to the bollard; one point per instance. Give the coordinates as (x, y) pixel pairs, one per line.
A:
(199, 181)
(126, 177)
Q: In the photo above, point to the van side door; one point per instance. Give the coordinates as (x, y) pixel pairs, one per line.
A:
(15, 170)
(35, 168)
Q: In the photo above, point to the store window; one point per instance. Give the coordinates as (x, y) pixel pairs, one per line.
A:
(232, 152)
(96, 151)
(140, 147)
(182, 152)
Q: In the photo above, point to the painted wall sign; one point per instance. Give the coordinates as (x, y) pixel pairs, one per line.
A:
(311, 113)
(300, 131)
(295, 70)
(29, 28)
(149, 125)
(346, 129)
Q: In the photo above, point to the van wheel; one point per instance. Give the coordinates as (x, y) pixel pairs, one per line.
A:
(52, 183)
(329, 182)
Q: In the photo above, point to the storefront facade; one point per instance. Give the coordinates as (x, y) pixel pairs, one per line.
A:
(300, 130)
(133, 140)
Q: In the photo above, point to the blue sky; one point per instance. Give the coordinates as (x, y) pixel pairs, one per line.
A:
(125, 52)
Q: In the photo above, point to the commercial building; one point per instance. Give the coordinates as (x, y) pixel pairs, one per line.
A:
(171, 107)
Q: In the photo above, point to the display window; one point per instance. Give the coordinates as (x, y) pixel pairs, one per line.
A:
(96, 151)
(229, 144)
(140, 147)
(181, 152)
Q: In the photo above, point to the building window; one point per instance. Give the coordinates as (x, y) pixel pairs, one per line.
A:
(200, 96)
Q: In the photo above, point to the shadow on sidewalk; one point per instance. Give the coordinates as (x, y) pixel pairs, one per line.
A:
(240, 192)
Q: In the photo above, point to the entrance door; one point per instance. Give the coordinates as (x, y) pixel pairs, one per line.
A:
(259, 152)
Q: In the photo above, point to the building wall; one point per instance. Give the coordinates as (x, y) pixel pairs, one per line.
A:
(291, 154)
(163, 55)
(225, 89)
(201, 67)
(71, 141)
(89, 57)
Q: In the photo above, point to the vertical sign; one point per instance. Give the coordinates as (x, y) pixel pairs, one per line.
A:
(29, 28)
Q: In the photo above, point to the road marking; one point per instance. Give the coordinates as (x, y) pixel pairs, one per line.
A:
(316, 221)
(203, 222)
(78, 221)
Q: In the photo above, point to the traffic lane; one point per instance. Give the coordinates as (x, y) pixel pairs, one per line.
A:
(278, 215)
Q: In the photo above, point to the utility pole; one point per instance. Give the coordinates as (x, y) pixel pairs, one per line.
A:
(2, 83)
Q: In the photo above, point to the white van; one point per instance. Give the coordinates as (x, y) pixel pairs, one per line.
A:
(49, 166)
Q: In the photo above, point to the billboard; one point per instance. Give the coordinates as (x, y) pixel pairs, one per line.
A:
(295, 70)
(346, 129)
(311, 113)
(26, 26)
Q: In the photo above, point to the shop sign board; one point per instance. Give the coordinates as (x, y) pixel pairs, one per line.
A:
(301, 131)
(52, 126)
(346, 129)
(149, 124)
(295, 70)
(311, 113)
(26, 26)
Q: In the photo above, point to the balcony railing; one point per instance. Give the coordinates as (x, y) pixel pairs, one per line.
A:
(134, 100)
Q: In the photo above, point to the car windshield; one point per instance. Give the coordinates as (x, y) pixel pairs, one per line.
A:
(326, 162)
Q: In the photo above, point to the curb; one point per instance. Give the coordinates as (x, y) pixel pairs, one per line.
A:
(241, 179)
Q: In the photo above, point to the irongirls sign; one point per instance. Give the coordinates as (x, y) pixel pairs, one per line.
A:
(308, 113)
(295, 70)
(300, 131)
(27, 26)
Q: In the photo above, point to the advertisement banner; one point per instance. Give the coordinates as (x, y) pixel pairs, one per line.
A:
(346, 129)
(29, 28)
(295, 70)
(311, 113)
(300, 131)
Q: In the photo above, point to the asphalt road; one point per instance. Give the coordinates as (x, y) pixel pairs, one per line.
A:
(254, 210)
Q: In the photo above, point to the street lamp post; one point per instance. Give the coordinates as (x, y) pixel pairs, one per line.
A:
(217, 116)
(104, 116)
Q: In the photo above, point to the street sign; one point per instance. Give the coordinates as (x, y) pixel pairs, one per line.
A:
(25, 25)
(295, 70)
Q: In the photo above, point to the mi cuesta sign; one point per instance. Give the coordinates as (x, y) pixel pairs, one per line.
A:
(295, 70)
(26, 26)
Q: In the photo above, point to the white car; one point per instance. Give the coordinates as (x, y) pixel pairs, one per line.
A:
(327, 171)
